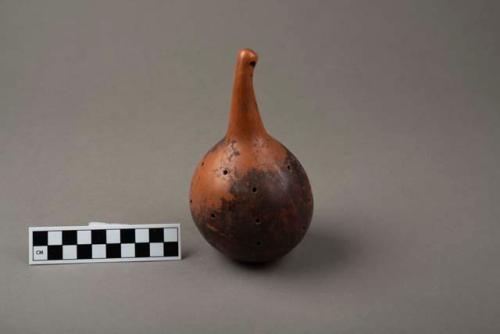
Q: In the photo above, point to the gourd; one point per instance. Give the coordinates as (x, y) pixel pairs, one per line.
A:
(250, 197)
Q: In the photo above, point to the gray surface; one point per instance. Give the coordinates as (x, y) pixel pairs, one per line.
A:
(392, 107)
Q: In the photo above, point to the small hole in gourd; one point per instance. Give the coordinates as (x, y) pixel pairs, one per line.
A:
(190, 201)
(258, 243)
(203, 163)
(254, 189)
(225, 172)
(288, 167)
(252, 63)
(212, 215)
(257, 221)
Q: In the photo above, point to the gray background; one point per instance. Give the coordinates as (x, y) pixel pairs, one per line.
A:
(392, 108)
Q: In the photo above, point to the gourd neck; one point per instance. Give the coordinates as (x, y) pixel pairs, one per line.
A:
(244, 118)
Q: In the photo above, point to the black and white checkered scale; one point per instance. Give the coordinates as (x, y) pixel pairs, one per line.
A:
(100, 244)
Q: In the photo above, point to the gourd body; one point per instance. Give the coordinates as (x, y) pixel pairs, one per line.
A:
(250, 197)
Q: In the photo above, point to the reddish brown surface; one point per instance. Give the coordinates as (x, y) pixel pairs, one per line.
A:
(250, 197)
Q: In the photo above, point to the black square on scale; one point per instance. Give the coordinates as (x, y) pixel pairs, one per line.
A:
(142, 249)
(113, 251)
(40, 238)
(156, 235)
(98, 237)
(127, 236)
(170, 249)
(54, 252)
(69, 237)
(83, 252)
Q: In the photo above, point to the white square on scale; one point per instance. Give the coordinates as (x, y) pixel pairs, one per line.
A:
(69, 252)
(40, 253)
(113, 236)
(142, 235)
(98, 251)
(156, 249)
(55, 238)
(169, 234)
(128, 250)
(83, 237)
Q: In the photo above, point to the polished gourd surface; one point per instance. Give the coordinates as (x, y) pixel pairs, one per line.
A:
(250, 197)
